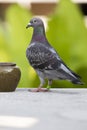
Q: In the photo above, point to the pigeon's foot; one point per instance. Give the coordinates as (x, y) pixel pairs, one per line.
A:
(48, 87)
(39, 90)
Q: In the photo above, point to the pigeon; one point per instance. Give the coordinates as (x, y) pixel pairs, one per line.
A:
(45, 60)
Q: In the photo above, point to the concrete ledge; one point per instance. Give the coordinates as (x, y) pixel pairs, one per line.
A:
(59, 109)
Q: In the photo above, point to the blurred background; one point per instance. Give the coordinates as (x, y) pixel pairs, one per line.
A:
(66, 28)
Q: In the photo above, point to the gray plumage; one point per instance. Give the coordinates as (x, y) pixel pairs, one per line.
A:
(44, 59)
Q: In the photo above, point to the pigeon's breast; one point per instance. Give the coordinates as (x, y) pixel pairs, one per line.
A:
(34, 54)
(31, 53)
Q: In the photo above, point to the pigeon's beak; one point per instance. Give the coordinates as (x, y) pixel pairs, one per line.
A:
(29, 25)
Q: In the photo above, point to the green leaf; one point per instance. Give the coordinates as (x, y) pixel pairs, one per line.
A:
(68, 34)
(18, 38)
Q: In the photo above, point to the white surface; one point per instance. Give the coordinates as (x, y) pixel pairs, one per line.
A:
(59, 109)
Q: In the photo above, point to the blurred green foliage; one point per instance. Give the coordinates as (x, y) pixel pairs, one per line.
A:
(14, 40)
(66, 32)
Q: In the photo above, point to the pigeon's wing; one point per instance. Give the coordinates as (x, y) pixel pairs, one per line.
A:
(42, 57)
(47, 60)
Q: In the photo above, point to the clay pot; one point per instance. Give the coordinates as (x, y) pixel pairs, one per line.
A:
(9, 76)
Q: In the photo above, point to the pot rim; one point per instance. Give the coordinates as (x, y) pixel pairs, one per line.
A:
(7, 64)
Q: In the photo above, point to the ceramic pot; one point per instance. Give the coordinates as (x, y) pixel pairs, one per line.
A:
(9, 76)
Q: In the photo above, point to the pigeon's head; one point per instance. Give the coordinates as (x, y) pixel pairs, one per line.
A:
(35, 22)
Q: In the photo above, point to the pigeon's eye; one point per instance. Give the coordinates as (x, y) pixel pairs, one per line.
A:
(35, 21)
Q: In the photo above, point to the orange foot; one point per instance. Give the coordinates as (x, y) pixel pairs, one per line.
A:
(39, 90)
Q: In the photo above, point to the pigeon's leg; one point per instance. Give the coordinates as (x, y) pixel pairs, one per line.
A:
(40, 88)
(49, 83)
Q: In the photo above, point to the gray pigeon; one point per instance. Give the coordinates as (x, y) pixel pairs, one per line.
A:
(45, 60)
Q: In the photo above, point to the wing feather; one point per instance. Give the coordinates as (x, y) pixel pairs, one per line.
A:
(45, 58)
(41, 57)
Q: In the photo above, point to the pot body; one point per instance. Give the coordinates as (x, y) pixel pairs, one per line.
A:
(9, 76)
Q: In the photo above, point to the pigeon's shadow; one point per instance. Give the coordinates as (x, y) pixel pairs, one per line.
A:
(64, 91)
(58, 91)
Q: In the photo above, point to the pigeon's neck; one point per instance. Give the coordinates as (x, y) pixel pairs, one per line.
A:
(39, 34)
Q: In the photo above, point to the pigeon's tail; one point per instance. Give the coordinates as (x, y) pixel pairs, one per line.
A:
(77, 79)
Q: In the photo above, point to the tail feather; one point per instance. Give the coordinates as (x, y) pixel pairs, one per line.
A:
(77, 81)
(76, 75)
(75, 78)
